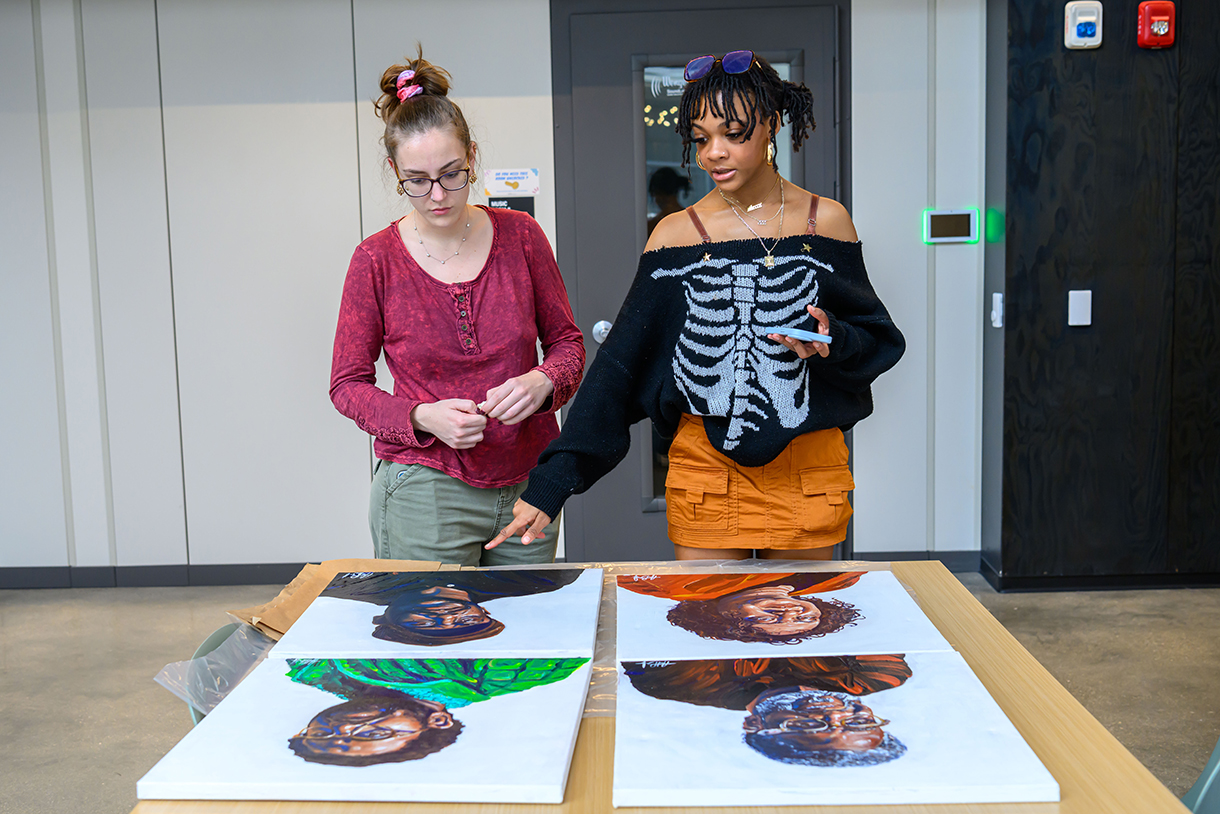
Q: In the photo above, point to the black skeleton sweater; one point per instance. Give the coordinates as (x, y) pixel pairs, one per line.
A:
(691, 338)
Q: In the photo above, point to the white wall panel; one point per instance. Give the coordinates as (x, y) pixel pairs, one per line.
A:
(890, 155)
(33, 529)
(917, 138)
(264, 212)
(957, 494)
(74, 278)
(134, 282)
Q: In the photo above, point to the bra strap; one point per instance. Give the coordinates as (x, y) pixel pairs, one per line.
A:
(690, 210)
(813, 216)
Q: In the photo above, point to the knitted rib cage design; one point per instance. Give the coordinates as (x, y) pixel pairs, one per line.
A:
(724, 364)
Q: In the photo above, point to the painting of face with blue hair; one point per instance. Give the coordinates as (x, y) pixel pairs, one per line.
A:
(818, 728)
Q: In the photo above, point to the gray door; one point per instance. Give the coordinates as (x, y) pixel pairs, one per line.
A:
(615, 129)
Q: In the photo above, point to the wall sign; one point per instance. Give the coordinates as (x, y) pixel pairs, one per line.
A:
(520, 204)
(511, 183)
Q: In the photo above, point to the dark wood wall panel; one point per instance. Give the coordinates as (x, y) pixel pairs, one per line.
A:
(1092, 140)
(1194, 473)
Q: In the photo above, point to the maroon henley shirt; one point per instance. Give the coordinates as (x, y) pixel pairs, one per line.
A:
(444, 341)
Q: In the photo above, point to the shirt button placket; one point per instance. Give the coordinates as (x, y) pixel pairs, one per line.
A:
(462, 306)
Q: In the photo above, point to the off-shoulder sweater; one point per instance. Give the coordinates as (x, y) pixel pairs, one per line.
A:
(691, 338)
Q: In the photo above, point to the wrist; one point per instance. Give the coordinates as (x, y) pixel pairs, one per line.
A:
(545, 381)
(419, 417)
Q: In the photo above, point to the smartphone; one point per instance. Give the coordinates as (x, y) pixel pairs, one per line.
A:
(797, 333)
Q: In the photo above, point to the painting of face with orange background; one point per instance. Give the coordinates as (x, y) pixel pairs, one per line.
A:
(766, 607)
(709, 615)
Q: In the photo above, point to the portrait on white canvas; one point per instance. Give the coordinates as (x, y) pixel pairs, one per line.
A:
(834, 730)
(458, 614)
(461, 730)
(718, 615)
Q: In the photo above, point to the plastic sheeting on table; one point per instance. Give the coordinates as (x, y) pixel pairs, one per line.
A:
(204, 682)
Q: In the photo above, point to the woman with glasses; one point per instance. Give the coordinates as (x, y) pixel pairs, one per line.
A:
(458, 298)
(750, 336)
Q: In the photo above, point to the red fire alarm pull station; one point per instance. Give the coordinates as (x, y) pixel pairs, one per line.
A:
(1156, 28)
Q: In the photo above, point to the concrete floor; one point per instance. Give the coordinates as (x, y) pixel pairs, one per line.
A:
(84, 720)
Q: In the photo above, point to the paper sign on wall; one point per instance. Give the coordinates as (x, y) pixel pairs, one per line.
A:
(512, 183)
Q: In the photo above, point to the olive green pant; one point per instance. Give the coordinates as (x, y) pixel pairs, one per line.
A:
(420, 513)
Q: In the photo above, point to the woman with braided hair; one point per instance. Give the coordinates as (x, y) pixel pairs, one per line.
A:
(750, 336)
(458, 298)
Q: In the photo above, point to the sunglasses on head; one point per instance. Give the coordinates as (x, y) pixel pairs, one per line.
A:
(732, 62)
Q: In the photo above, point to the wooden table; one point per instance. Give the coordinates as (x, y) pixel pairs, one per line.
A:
(1096, 774)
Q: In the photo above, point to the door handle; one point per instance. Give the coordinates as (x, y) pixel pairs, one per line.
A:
(601, 330)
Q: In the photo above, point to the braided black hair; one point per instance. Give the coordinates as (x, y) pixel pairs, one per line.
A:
(757, 95)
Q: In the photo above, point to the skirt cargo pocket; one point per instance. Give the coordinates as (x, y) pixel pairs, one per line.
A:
(823, 505)
(697, 498)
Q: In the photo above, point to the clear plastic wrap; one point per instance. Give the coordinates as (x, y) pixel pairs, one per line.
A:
(204, 681)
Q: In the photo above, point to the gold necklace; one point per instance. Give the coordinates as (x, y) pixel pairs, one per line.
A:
(731, 201)
(425, 248)
(769, 260)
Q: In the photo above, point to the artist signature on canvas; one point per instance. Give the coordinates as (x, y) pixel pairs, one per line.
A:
(642, 577)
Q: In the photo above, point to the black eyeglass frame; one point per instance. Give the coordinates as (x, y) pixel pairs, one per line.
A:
(402, 190)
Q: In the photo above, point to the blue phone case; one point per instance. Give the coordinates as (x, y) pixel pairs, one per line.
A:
(797, 333)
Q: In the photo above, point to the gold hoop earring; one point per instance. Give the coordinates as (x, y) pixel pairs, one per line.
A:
(699, 164)
(770, 152)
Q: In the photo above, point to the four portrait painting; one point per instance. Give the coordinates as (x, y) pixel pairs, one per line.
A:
(808, 710)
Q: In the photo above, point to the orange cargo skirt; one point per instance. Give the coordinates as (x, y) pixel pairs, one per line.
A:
(799, 500)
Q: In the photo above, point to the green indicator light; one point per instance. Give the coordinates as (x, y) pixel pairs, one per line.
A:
(994, 226)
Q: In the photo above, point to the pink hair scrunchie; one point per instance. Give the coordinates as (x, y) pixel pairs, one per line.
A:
(406, 91)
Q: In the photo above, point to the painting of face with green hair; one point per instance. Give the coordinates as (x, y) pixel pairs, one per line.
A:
(427, 730)
(395, 711)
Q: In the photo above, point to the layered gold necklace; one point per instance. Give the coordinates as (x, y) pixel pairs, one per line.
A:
(769, 258)
(731, 201)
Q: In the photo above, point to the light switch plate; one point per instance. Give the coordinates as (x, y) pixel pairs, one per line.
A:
(1080, 307)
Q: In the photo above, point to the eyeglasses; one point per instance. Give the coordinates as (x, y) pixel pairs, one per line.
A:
(858, 723)
(420, 187)
(732, 62)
